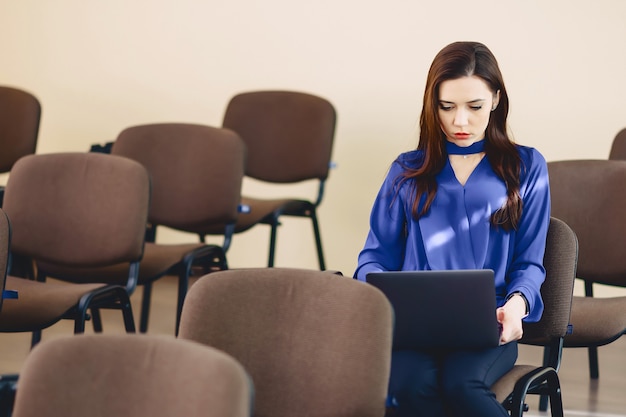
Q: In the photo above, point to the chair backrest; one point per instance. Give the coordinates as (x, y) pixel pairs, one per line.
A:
(560, 263)
(128, 376)
(20, 113)
(78, 209)
(314, 342)
(589, 196)
(289, 135)
(196, 173)
(5, 246)
(618, 147)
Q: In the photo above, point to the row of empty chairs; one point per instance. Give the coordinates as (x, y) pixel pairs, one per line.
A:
(282, 340)
(196, 174)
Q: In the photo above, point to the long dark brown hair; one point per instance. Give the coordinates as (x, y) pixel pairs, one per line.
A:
(457, 60)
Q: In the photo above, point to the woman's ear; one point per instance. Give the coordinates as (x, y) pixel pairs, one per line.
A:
(496, 100)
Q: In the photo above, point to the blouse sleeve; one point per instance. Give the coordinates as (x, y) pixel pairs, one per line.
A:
(526, 271)
(386, 239)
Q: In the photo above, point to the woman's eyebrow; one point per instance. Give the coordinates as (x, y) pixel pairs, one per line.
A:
(478, 100)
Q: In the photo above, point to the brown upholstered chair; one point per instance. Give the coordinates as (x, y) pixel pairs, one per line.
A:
(5, 244)
(131, 376)
(589, 196)
(78, 210)
(314, 342)
(618, 147)
(560, 263)
(196, 174)
(7, 381)
(20, 113)
(289, 136)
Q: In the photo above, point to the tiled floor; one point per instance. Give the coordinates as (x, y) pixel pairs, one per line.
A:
(582, 397)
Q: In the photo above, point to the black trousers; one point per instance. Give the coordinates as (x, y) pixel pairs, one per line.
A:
(448, 383)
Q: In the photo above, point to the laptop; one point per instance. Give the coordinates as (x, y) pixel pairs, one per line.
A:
(444, 309)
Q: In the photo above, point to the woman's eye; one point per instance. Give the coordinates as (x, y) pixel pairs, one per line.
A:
(476, 108)
(445, 108)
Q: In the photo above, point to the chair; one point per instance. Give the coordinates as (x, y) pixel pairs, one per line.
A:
(618, 147)
(560, 263)
(314, 342)
(589, 196)
(5, 245)
(78, 210)
(196, 174)
(131, 376)
(20, 113)
(289, 136)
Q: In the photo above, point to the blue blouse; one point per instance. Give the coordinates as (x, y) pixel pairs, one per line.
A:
(456, 232)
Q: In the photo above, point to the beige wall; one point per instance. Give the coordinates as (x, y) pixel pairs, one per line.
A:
(100, 66)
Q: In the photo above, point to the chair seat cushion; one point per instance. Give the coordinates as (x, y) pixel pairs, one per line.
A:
(596, 321)
(156, 262)
(39, 304)
(258, 209)
(504, 386)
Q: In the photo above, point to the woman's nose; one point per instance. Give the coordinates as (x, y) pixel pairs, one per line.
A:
(460, 118)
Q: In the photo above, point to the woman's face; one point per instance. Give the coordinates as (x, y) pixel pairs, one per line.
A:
(465, 105)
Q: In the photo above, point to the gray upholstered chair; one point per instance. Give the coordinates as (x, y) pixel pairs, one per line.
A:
(131, 376)
(20, 114)
(560, 263)
(196, 174)
(289, 136)
(589, 196)
(618, 147)
(79, 210)
(314, 342)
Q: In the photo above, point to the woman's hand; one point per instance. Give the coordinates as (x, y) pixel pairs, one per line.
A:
(510, 317)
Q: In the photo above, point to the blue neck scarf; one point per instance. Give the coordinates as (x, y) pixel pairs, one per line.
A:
(454, 149)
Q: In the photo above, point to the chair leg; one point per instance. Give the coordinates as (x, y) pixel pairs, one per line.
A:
(556, 400)
(543, 402)
(79, 320)
(8, 388)
(205, 262)
(543, 398)
(273, 230)
(222, 262)
(113, 297)
(318, 240)
(592, 351)
(316, 233)
(127, 313)
(145, 307)
(35, 338)
(594, 369)
(518, 406)
(550, 385)
(96, 320)
(183, 286)
(122, 302)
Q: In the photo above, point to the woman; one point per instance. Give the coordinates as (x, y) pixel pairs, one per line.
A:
(466, 198)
